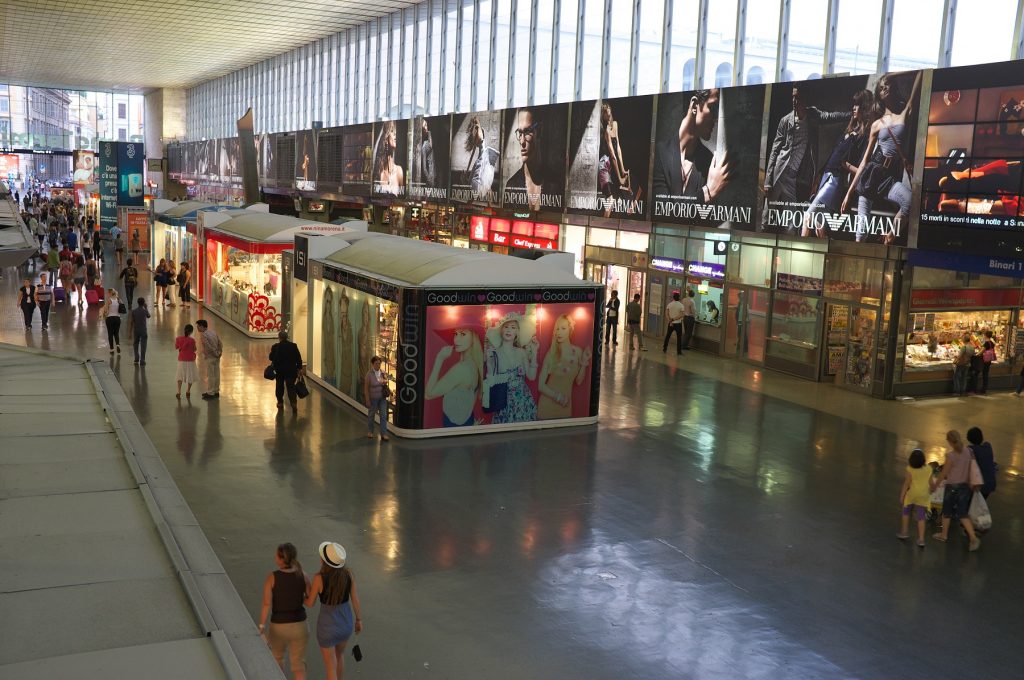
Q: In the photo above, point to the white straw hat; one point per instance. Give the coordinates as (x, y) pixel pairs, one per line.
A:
(333, 554)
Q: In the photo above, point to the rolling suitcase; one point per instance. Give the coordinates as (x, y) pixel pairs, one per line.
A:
(59, 295)
(91, 297)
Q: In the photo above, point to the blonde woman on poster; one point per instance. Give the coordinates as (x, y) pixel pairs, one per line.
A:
(459, 387)
(327, 337)
(345, 331)
(365, 343)
(565, 366)
(511, 363)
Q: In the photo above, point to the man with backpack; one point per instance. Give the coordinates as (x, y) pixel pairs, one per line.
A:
(131, 279)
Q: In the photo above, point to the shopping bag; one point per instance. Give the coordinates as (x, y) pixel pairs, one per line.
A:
(979, 514)
(975, 478)
(301, 391)
(269, 373)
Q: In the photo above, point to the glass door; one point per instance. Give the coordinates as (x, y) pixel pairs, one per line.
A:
(861, 348)
(837, 321)
(746, 323)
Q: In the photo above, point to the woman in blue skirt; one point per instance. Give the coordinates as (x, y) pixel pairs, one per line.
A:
(339, 607)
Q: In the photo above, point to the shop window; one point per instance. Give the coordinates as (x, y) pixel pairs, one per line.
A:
(631, 240)
(852, 278)
(602, 237)
(670, 246)
(799, 271)
(934, 339)
(753, 267)
(699, 250)
(794, 328)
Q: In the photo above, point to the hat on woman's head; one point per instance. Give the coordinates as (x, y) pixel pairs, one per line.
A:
(493, 334)
(448, 333)
(333, 554)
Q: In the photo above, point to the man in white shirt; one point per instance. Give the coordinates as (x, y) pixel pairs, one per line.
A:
(689, 317)
(211, 349)
(674, 312)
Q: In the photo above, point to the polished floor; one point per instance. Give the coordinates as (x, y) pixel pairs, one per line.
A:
(721, 522)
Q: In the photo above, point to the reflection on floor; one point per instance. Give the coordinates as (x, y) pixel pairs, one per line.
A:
(721, 522)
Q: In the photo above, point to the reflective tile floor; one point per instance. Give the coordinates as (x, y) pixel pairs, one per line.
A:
(721, 522)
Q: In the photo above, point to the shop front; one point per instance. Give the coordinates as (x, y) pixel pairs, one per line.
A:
(466, 347)
(172, 239)
(503, 236)
(243, 276)
(947, 310)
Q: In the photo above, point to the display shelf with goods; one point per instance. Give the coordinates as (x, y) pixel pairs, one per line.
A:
(861, 347)
(935, 338)
(245, 287)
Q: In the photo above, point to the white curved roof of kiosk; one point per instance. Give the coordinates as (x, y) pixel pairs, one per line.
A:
(268, 228)
(423, 263)
(186, 207)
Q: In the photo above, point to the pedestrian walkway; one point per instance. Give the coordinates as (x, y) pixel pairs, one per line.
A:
(105, 572)
(722, 521)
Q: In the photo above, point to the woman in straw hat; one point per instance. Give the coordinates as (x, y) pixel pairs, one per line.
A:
(339, 607)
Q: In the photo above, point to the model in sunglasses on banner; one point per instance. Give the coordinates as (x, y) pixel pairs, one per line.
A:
(842, 163)
(564, 367)
(880, 176)
(459, 387)
(511, 363)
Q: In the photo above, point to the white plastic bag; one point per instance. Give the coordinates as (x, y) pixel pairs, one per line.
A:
(979, 514)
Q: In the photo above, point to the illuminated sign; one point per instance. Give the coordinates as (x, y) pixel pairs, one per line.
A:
(668, 264)
(317, 207)
(478, 228)
(706, 269)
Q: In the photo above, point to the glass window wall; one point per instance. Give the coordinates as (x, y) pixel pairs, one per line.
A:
(761, 45)
(683, 54)
(619, 48)
(483, 46)
(542, 55)
(857, 30)
(565, 86)
(590, 73)
(721, 43)
(521, 63)
(501, 54)
(916, 33)
(807, 24)
(650, 34)
(977, 39)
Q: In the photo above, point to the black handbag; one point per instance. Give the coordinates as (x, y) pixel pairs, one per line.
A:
(121, 309)
(301, 391)
(498, 394)
(269, 373)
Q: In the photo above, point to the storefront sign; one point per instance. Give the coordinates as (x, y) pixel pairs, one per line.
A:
(709, 270)
(669, 264)
(301, 257)
(975, 264)
(478, 228)
(966, 298)
(381, 289)
(798, 284)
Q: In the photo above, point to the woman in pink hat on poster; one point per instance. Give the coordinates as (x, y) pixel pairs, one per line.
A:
(510, 362)
(459, 387)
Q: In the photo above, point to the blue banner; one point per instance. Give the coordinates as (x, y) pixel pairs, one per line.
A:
(131, 188)
(974, 264)
(108, 187)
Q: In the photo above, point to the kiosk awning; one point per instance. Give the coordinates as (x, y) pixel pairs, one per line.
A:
(269, 228)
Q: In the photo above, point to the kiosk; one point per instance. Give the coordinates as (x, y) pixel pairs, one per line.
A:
(466, 345)
(174, 234)
(243, 277)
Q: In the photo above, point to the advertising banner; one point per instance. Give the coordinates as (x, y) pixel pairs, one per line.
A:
(818, 134)
(509, 356)
(431, 157)
(136, 227)
(475, 160)
(108, 187)
(9, 164)
(973, 153)
(230, 161)
(85, 167)
(206, 159)
(609, 157)
(705, 158)
(188, 161)
(131, 185)
(305, 160)
(390, 158)
(533, 163)
(357, 159)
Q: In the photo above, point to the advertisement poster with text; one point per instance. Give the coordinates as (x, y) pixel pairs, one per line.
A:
(391, 158)
(357, 159)
(609, 157)
(131, 185)
(490, 363)
(85, 167)
(820, 133)
(305, 160)
(974, 150)
(706, 158)
(431, 155)
(476, 159)
(108, 186)
(533, 163)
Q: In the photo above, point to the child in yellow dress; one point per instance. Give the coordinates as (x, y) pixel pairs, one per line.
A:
(915, 496)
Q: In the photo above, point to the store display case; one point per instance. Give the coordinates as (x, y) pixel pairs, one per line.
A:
(465, 345)
(935, 338)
